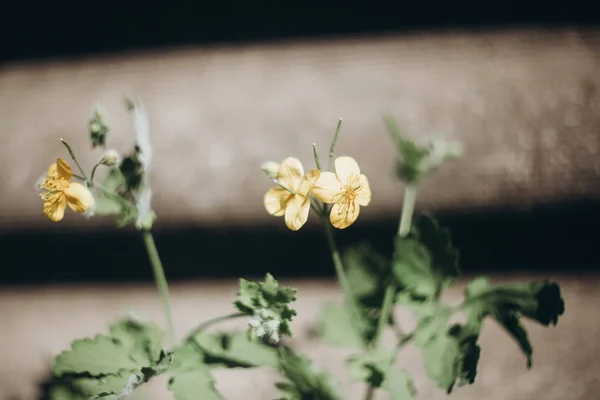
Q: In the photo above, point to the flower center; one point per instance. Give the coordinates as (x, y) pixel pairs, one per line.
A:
(53, 186)
(346, 198)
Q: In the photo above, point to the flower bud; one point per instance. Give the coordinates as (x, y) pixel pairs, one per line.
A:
(270, 168)
(98, 127)
(110, 158)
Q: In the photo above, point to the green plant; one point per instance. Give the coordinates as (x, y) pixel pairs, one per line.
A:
(425, 264)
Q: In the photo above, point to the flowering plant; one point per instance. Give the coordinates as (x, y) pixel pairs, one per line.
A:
(424, 265)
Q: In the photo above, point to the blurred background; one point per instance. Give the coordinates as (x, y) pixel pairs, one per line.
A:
(230, 85)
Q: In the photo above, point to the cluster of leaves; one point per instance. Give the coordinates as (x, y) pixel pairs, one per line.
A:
(112, 366)
(267, 304)
(305, 380)
(417, 161)
(424, 265)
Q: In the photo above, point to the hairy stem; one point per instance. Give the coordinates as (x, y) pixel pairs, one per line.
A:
(161, 281)
(213, 321)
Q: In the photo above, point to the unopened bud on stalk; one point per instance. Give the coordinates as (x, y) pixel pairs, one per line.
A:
(110, 158)
(270, 168)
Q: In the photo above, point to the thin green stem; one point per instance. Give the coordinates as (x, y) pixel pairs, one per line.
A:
(211, 322)
(386, 311)
(404, 339)
(408, 209)
(284, 187)
(339, 269)
(316, 156)
(68, 146)
(316, 209)
(161, 281)
(94, 172)
(333, 143)
(370, 392)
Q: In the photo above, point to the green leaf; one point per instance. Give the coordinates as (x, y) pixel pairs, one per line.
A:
(418, 161)
(194, 385)
(432, 317)
(451, 358)
(336, 327)
(399, 385)
(508, 303)
(108, 200)
(305, 380)
(190, 376)
(75, 387)
(368, 273)
(63, 391)
(105, 204)
(410, 155)
(99, 356)
(376, 367)
(268, 305)
(143, 341)
(425, 262)
(188, 357)
(237, 350)
(114, 384)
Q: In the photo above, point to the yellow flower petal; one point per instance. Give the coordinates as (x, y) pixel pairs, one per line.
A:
(326, 187)
(308, 182)
(345, 167)
(54, 206)
(51, 174)
(63, 170)
(78, 197)
(296, 212)
(343, 215)
(363, 196)
(291, 173)
(275, 201)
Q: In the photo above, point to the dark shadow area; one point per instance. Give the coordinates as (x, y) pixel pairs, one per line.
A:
(72, 29)
(561, 238)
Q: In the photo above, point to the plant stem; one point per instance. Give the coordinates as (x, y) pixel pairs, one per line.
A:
(94, 173)
(386, 311)
(370, 392)
(316, 156)
(339, 269)
(333, 143)
(408, 208)
(213, 321)
(68, 146)
(161, 281)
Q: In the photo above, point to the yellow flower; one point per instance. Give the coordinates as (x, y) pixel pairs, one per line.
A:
(347, 189)
(295, 207)
(60, 191)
